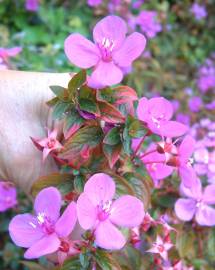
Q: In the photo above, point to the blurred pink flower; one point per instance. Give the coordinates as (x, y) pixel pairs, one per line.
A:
(148, 22)
(199, 11)
(6, 53)
(161, 247)
(97, 211)
(7, 196)
(198, 203)
(32, 5)
(43, 233)
(157, 112)
(94, 3)
(111, 53)
(48, 144)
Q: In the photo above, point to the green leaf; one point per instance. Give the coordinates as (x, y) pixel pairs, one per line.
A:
(185, 243)
(54, 179)
(52, 101)
(59, 91)
(59, 110)
(110, 114)
(84, 139)
(88, 105)
(79, 183)
(76, 82)
(71, 264)
(105, 260)
(112, 153)
(72, 119)
(136, 128)
(112, 137)
(84, 260)
(105, 94)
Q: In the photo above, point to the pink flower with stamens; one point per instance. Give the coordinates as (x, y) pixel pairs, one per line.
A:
(45, 232)
(161, 247)
(198, 203)
(98, 212)
(110, 55)
(7, 196)
(48, 144)
(157, 112)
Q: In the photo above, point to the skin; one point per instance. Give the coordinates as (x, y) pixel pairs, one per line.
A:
(23, 113)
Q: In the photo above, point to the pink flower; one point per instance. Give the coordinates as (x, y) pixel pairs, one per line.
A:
(111, 53)
(156, 165)
(43, 233)
(161, 247)
(48, 144)
(98, 212)
(7, 196)
(32, 5)
(94, 3)
(183, 161)
(197, 204)
(157, 112)
(147, 20)
(6, 53)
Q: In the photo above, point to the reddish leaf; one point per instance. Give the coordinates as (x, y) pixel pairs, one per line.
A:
(112, 153)
(110, 114)
(124, 94)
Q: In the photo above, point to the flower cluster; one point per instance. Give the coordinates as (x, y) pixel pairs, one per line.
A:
(113, 152)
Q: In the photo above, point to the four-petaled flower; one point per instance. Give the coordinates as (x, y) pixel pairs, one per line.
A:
(45, 232)
(197, 203)
(111, 54)
(157, 112)
(97, 211)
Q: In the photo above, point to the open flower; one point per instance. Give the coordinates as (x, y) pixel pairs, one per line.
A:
(161, 247)
(48, 144)
(197, 204)
(43, 233)
(97, 211)
(7, 196)
(157, 112)
(6, 53)
(111, 53)
(156, 165)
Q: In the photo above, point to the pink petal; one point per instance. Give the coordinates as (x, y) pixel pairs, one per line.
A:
(185, 209)
(100, 188)
(108, 236)
(209, 194)
(160, 107)
(187, 175)
(142, 109)
(127, 211)
(81, 51)
(159, 171)
(131, 49)
(46, 152)
(205, 216)
(105, 74)
(47, 245)
(173, 129)
(186, 148)
(67, 221)
(86, 212)
(24, 230)
(48, 202)
(112, 28)
(194, 191)
(52, 134)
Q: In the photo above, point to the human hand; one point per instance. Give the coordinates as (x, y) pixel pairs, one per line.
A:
(23, 113)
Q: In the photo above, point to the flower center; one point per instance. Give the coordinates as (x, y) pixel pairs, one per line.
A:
(159, 247)
(106, 48)
(51, 143)
(45, 223)
(156, 120)
(103, 210)
(64, 246)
